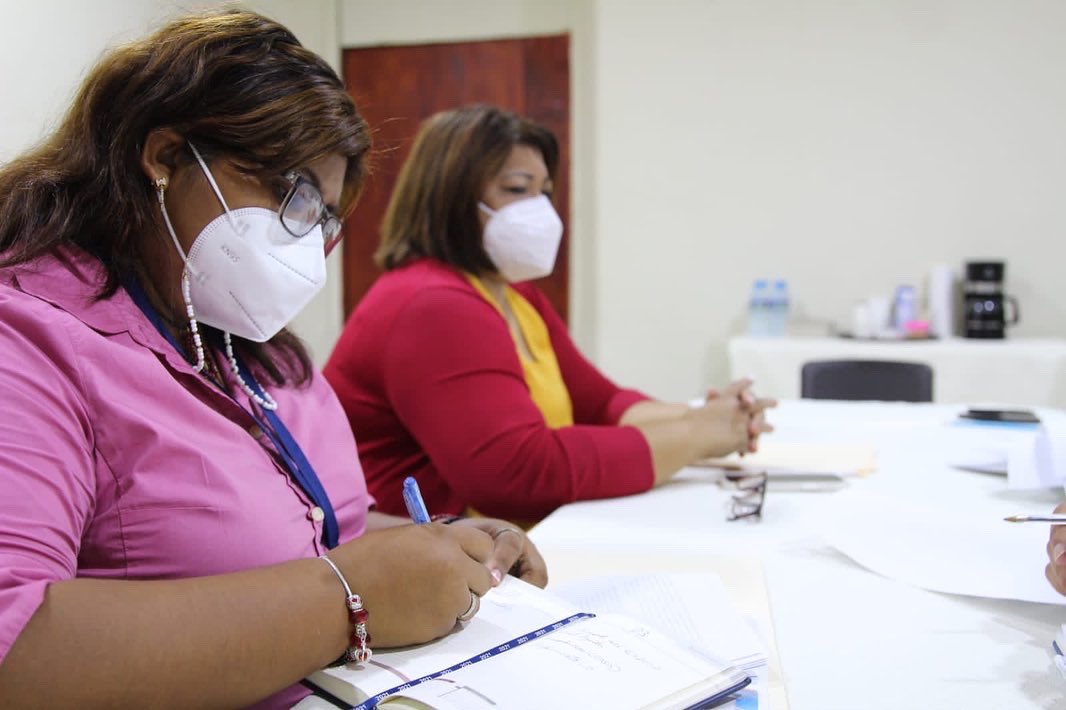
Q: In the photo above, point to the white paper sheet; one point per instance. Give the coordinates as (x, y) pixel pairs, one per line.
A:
(693, 609)
(1039, 460)
(976, 554)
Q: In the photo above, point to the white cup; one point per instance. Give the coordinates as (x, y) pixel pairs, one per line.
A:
(861, 325)
(942, 286)
(880, 309)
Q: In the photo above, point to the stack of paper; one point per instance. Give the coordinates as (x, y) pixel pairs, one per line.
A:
(693, 609)
(983, 446)
(784, 458)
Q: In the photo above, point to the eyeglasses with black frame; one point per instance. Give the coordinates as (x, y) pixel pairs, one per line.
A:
(303, 208)
(750, 494)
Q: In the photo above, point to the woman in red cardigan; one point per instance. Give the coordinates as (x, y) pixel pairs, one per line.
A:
(453, 370)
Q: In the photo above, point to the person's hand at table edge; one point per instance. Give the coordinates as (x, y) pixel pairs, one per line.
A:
(513, 552)
(1056, 552)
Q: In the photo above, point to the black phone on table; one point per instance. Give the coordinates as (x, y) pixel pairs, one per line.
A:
(1023, 416)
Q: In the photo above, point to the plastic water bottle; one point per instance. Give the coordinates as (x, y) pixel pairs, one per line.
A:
(779, 308)
(906, 308)
(758, 308)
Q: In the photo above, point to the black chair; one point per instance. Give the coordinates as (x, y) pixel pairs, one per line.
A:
(882, 380)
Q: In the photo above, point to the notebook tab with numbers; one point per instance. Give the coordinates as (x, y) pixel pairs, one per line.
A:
(529, 649)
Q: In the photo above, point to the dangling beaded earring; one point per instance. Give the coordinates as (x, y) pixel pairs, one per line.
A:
(194, 328)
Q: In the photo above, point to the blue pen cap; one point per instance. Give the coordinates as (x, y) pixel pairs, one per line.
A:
(412, 498)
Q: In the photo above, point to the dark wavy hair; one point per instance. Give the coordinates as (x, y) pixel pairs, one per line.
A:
(236, 84)
(433, 211)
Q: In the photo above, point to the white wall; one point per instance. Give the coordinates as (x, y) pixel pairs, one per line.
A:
(843, 144)
(46, 47)
(373, 22)
(846, 145)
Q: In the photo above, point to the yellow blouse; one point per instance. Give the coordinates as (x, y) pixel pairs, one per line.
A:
(541, 373)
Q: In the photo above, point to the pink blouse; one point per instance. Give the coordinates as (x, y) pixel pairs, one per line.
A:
(119, 461)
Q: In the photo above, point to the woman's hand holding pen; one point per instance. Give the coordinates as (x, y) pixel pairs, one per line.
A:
(416, 580)
(512, 552)
(1056, 552)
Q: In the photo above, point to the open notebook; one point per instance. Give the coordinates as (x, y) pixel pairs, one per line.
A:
(529, 649)
(691, 608)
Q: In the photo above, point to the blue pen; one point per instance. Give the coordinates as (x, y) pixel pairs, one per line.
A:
(413, 498)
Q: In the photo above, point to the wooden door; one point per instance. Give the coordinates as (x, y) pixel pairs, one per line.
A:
(397, 87)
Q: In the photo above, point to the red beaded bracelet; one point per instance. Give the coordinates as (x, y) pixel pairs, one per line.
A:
(359, 643)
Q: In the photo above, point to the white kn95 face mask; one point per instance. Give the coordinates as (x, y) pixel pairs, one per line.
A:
(522, 238)
(247, 275)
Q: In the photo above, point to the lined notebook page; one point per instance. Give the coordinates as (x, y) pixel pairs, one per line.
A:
(693, 609)
(602, 662)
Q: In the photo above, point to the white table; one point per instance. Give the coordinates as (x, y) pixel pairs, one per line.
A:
(848, 638)
(1015, 371)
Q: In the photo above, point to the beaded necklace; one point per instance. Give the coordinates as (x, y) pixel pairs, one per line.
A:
(264, 400)
(210, 369)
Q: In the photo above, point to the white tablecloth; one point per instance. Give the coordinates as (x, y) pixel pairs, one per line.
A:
(850, 638)
(1029, 372)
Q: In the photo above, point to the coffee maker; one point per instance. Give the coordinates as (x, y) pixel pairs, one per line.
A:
(985, 306)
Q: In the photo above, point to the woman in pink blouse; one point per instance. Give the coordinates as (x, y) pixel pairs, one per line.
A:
(171, 465)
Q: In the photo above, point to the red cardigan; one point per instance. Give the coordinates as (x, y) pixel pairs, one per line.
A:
(430, 379)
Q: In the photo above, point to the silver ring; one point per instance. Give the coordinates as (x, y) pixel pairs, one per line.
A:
(475, 604)
(500, 531)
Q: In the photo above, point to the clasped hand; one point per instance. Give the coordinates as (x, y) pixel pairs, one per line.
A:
(737, 418)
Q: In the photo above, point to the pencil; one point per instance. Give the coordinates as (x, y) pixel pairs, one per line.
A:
(1054, 519)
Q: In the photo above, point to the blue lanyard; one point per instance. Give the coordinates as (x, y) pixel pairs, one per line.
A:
(295, 460)
(300, 469)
